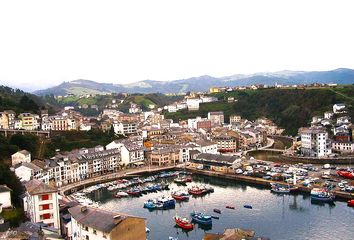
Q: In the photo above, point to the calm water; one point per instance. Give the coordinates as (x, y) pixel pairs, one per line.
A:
(273, 216)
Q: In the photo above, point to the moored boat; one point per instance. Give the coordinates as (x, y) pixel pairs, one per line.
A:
(321, 194)
(121, 194)
(183, 223)
(346, 174)
(202, 218)
(134, 192)
(247, 206)
(180, 195)
(351, 203)
(216, 210)
(230, 207)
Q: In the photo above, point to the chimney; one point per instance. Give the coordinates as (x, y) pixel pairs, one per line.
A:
(83, 209)
(117, 219)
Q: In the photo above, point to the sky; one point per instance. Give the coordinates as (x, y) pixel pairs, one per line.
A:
(43, 43)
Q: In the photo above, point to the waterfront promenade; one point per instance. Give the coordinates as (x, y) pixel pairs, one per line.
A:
(72, 187)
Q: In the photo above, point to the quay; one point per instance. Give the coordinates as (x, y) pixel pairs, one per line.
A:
(260, 181)
(73, 187)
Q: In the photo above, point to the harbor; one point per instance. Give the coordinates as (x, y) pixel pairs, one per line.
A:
(241, 204)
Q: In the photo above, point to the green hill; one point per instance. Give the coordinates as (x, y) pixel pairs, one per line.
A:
(289, 108)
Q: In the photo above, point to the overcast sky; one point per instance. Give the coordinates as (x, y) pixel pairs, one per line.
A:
(43, 43)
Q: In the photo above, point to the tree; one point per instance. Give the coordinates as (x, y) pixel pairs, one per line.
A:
(27, 104)
(28, 142)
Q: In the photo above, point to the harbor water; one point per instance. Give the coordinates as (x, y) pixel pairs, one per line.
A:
(291, 216)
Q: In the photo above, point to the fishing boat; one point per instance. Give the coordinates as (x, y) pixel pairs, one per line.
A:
(150, 204)
(216, 210)
(230, 207)
(201, 218)
(351, 203)
(167, 202)
(180, 195)
(195, 190)
(134, 192)
(247, 206)
(321, 194)
(346, 174)
(282, 188)
(183, 223)
(180, 180)
(121, 194)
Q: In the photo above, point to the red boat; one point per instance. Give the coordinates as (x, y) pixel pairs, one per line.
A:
(351, 203)
(346, 174)
(230, 207)
(195, 191)
(180, 196)
(183, 223)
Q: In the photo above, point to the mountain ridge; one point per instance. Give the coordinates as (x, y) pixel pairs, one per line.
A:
(202, 83)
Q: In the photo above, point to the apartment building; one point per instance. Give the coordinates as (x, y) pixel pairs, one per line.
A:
(314, 142)
(97, 224)
(41, 203)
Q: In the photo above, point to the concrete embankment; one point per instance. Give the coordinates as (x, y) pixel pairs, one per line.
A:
(261, 181)
(73, 187)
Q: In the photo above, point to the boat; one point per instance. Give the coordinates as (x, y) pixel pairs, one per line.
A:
(201, 218)
(121, 194)
(172, 238)
(215, 217)
(195, 190)
(183, 223)
(180, 195)
(167, 202)
(147, 230)
(247, 206)
(346, 174)
(150, 204)
(134, 192)
(322, 194)
(351, 203)
(216, 210)
(282, 188)
(180, 181)
(230, 207)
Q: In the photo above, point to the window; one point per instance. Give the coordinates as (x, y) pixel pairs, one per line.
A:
(45, 216)
(45, 207)
(44, 197)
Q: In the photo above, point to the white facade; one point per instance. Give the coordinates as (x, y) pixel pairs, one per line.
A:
(314, 142)
(193, 104)
(21, 157)
(172, 108)
(338, 108)
(41, 204)
(343, 147)
(125, 128)
(5, 196)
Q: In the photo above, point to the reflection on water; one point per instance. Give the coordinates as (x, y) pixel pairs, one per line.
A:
(274, 216)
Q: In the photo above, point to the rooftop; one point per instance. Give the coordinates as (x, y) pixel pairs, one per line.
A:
(97, 218)
(35, 187)
(4, 188)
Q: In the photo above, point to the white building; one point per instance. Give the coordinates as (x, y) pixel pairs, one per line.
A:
(125, 128)
(193, 104)
(343, 147)
(216, 118)
(328, 115)
(205, 146)
(5, 196)
(27, 171)
(338, 108)
(41, 203)
(314, 142)
(21, 157)
(97, 224)
(131, 151)
(172, 108)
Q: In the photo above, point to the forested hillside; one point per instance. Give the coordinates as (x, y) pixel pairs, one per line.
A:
(289, 108)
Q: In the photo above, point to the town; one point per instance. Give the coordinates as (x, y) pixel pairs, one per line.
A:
(147, 143)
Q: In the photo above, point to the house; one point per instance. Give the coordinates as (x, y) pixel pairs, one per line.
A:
(314, 142)
(125, 127)
(172, 108)
(235, 119)
(131, 151)
(226, 143)
(41, 203)
(338, 108)
(216, 118)
(328, 115)
(5, 196)
(21, 157)
(27, 171)
(343, 147)
(96, 224)
(193, 104)
(204, 146)
(215, 162)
